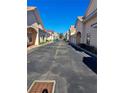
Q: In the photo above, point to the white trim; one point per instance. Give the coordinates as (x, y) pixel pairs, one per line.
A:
(32, 27)
(54, 83)
(92, 14)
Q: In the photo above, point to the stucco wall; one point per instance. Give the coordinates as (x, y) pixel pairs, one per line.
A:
(30, 18)
(73, 39)
(93, 41)
(32, 21)
(80, 28)
(92, 31)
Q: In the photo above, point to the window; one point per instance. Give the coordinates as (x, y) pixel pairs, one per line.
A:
(94, 25)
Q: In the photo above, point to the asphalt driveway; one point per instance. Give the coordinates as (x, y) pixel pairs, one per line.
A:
(60, 62)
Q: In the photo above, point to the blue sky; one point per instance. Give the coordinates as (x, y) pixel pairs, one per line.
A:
(58, 15)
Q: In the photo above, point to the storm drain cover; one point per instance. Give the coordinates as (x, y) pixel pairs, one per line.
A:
(42, 86)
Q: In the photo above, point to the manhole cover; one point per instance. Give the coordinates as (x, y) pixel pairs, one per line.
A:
(42, 87)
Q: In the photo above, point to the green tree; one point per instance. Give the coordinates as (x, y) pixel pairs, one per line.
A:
(61, 36)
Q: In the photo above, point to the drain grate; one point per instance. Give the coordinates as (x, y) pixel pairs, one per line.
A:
(42, 86)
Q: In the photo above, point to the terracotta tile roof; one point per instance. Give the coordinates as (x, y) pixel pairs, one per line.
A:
(30, 8)
(49, 31)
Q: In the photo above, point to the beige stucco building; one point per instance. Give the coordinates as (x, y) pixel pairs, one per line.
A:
(90, 24)
(56, 36)
(35, 29)
(86, 26)
(80, 30)
(52, 35)
(72, 34)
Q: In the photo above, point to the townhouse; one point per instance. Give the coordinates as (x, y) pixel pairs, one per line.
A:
(56, 36)
(79, 29)
(72, 34)
(86, 26)
(35, 29)
(90, 24)
(52, 36)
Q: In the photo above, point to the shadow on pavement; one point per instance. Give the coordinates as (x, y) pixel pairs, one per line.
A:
(75, 47)
(91, 62)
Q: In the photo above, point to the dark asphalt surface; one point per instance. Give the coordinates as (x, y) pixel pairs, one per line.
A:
(60, 62)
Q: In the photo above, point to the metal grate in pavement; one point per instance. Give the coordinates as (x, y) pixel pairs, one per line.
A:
(46, 86)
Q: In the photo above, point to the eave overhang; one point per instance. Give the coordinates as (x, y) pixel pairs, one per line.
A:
(90, 16)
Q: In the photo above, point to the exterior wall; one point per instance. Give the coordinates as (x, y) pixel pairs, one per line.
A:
(92, 31)
(94, 37)
(73, 39)
(79, 28)
(90, 20)
(51, 36)
(72, 34)
(78, 38)
(37, 39)
(55, 36)
(42, 36)
(31, 19)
